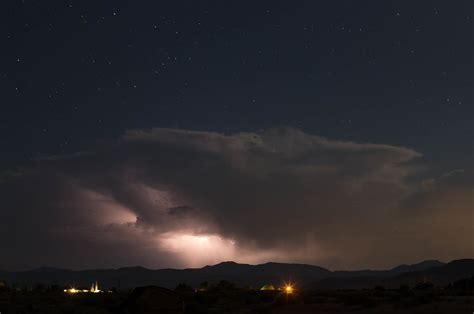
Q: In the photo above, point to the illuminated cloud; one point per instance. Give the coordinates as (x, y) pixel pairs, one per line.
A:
(178, 198)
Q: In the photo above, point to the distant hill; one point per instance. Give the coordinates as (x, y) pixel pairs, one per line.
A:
(432, 271)
(415, 267)
(247, 275)
(388, 273)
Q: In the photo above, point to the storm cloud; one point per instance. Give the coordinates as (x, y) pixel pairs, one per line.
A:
(179, 198)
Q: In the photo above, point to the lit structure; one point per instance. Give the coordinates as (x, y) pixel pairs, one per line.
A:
(72, 290)
(94, 289)
(268, 288)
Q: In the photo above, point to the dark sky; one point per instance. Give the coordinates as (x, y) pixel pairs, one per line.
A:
(329, 132)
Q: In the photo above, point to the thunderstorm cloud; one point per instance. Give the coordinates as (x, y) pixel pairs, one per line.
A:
(179, 198)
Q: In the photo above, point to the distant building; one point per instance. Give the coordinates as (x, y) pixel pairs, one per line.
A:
(268, 288)
(93, 289)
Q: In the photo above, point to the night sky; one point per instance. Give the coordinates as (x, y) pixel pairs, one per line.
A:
(185, 133)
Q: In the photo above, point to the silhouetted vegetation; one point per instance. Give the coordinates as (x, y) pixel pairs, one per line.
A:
(464, 285)
(227, 297)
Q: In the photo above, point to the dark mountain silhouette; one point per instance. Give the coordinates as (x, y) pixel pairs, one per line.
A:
(415, 267)
(388, 273)
(247, 275)
(440, 275)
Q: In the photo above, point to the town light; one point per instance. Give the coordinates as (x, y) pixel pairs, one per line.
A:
(72, 290)
(289, 289)
(94, 289)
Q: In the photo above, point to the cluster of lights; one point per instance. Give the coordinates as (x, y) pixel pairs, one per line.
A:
(74, 290)
(94, 289)
(288, 288)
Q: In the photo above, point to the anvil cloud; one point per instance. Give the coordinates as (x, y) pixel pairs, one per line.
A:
(179, 198)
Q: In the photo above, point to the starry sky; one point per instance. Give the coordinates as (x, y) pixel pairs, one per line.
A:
(185, 133)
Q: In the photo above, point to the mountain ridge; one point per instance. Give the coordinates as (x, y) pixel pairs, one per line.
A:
(138, 267)
(246, 275)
